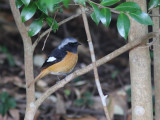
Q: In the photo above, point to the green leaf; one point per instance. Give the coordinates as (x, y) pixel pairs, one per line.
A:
(19, 3)
(67, 92)
(151, 54)
(41, 7)
(52, 1)
(3, 49)
(106, 16)
(83, 2)
(90, 102)
(55, 26)
(51, 24)
(11, 103)
(94, 18)
(129, 94)
(6, 102)
(47, 5)
(109, 2)
(1, 110)
(79, 102)
(35, 27)
(141, 17)
(4, 96)
(123, 25)
(66, 2)
(153, 3)
(87, 95)
(28, 11)
(58, 8)
(11, 60)
(26, 2)
(61, 10)
(128, 7)
(114, 74)
(49, 21)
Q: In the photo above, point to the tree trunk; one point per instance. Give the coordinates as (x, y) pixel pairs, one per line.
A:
(140, 71)
(28, 60)
(156, 64)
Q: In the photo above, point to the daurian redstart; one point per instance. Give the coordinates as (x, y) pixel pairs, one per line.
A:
(62, 59)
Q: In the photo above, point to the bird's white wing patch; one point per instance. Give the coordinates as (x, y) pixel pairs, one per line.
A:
(51, 59)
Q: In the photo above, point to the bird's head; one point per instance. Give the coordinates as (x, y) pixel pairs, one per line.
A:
(69, 44)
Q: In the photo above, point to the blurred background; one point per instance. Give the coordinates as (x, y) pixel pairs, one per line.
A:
(78, 100)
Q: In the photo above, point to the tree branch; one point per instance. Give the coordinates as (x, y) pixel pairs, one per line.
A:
(101, 6)
(93, 58)
(156, 51)
(50, 29)
(99, 62)
(66, 20)
(27, 51)
(28, 55)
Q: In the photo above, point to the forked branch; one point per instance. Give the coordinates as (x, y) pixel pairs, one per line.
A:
(50, 29)
(99, 62)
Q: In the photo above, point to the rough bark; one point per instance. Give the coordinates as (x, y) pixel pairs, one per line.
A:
(140, 71)
(156, 44)
(28, 56)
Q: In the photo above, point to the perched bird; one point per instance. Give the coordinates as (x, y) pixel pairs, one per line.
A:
(62, 59)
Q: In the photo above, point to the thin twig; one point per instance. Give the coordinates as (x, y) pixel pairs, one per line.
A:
(101, 6)
(93, 58)
(154, 15)
(99, 62)
(66, 20)
(50, 29)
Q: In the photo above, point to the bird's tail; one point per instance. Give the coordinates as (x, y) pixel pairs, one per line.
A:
(41, 74)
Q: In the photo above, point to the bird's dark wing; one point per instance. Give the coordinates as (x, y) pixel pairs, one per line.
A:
(57, 54)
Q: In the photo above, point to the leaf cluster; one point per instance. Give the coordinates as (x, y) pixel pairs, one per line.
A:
(10, 58)
(84, 100)
(42, 8)
(153, 4)
(6, 103)
(101, 13)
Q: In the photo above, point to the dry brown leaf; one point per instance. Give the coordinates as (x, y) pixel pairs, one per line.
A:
(97, 103)
(60, 106)
(18, 81)
(9, 118)
(15, 114)
(129, 117)
(83, 118)
(3, 118)
(37, 115)
(41, 83)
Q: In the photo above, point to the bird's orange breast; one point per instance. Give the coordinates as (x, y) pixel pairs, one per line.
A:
(66, 65)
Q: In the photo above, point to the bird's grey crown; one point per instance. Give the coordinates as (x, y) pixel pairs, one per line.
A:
(66, 41)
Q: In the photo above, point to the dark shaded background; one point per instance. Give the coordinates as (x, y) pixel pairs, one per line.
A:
(78, 98)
